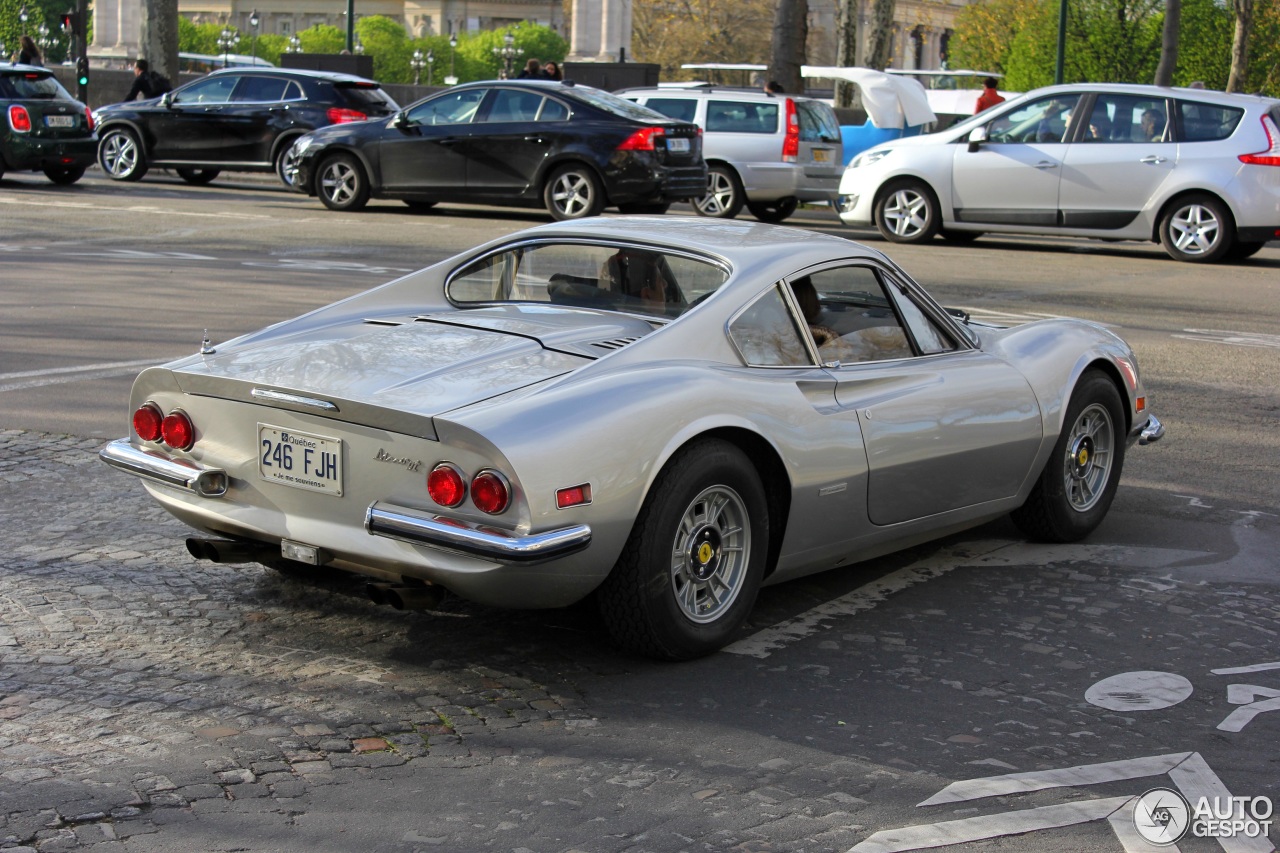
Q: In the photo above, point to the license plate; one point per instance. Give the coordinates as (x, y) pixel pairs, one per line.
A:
(677, 144)
(302, 460)
(822, 155)
(60, 121)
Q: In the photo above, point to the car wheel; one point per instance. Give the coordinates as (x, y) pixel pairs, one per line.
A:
(1240, 251)
(1076, 487)
(121, 157)
(63, 175)
(724, 196)
(773, 211)
(689, 573)
(651, 208)
(1197, 229)
(908, 213)
(287, 164)
(573, 192)
(342, 183)
(959, 238)
(418, 206)
(199, 177)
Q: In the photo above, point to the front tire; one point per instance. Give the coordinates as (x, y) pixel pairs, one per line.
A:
(724, 197)
(1197, 229)
(689, 573)
(198, 177)
(908, 213)
(1079, 481)
(63, 176)
(121, 157)
(341, 183)
(573, 192)
(773, 211)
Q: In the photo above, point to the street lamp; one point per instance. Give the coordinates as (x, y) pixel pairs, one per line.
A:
(453, 46)
(254, 21)
(42, 36)
(359, 44)
(295, 44)
(417, 63)
(227, 39)
(22, 15)
(431, 62)
(507, 55)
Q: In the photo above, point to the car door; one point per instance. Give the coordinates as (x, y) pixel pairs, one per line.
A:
(519, 130)
(1118, 163)
(422, 151)
(1012, 178)
(189, 128)
(945, 425)
(250, 118)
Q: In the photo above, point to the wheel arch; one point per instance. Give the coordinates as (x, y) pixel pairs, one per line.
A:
(370, 174)
(284, 140)
(1177, 198)
(1108, 368)
(896, 181)
(130, 125)
(570, 159)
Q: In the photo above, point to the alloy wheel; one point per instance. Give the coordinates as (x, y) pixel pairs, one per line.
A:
(710, 553)
(1087, 465)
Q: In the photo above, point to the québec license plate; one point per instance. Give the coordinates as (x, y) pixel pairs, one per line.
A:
(302, 460)
(60, 121)
(678, 144)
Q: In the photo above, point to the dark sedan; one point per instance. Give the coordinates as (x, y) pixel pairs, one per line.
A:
(43, 128)
(571, 149)
(235, 119)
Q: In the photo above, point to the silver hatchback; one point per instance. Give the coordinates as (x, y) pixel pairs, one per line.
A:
(1196, 170)
(767, 152)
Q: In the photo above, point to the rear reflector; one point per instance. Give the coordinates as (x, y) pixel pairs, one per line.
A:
(340, 115)
(1271, 155)
(573, 496)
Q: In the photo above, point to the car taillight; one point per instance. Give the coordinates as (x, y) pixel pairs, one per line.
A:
(445, 485)
(642, 140)
(490, 493)
(146, 422)
(1271, 155)
(19, 118)
(341, 115)
(791, 142)
(88, 116)
(178, 431)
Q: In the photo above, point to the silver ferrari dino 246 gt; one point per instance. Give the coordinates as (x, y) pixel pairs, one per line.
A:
(663, 412)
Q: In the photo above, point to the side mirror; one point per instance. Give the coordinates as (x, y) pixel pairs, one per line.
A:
(401, 120)
(166, 100)
(977, 136)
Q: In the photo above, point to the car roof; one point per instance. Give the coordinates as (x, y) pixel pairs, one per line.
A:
(1212, 96)
(332, 76)
(15, 69)
(707, 89)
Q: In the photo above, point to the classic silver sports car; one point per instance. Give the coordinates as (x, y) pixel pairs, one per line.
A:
(664, 412)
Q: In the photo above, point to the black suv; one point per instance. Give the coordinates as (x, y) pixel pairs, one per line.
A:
(235, 119)
(43, 127)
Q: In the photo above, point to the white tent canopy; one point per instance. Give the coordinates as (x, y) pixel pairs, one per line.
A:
(890, 100)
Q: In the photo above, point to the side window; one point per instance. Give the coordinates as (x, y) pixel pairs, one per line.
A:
(553, 111)
(293, 92)
(681, 109)
(451, 108)
(766, 335)
(930, 338)
(850, 315)
(253, 89)
(1043, 120)
(742, 117)
(1206, 122)
(514, 105)
(1127, 118)
(210, 90)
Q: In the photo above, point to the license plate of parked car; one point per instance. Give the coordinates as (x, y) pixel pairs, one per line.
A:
(822, 155)
(677, 144)
(60, 121)
(300, 459)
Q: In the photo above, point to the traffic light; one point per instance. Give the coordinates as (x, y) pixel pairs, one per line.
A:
(72, 23)
(82, 71)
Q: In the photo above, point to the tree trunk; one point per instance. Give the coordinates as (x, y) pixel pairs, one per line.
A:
(1169, 43)
(790, 32)
(846, 49)
(160, 36)
(880, 37)
(1240, 45)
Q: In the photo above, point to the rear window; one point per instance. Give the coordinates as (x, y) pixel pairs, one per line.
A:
(681, 109)
(1206, 122)
(817, 122)
(32, 86)
(367, 97)
(613, 104)
(742, 117)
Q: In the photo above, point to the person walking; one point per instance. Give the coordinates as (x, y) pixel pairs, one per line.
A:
(28, 53)
(989, 97)
(147, 83)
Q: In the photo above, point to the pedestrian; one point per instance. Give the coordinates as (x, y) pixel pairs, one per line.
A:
(147, 83)
(552, 71)
(773, 87)
(28, 53)
(532, 71)
(989, 97)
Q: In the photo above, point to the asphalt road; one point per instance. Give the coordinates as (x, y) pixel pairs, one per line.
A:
(934, 696)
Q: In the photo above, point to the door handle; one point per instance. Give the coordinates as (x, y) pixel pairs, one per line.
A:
(1045, 164)
(1153, 159)
(535, 139)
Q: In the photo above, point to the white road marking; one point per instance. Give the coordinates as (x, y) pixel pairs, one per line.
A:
(1146, 690)
(1122, 825)
(60, 375)
(1239, 339)
(1066, 777)
(1245, 694)
(1242, 670)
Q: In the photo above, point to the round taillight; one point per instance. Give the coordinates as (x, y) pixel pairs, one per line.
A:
(490, 493)
(178, 431)
(445, 485)
(146, 422)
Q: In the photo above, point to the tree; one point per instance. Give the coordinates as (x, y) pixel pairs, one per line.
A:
(846, 49)
(674, 32)
(1169, 43)
(984, 33)
(880, 35)
(790, 32)
(1204, 46)
(1240, 45)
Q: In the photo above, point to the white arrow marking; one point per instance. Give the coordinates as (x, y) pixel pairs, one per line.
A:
(1066, 777)
(1241, 670)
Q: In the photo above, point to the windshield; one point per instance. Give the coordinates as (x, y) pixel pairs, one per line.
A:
(32, 85)
(634, 279)
(616, 105)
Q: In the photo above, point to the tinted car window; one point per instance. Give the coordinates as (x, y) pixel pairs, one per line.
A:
(293, 92)
(817, 122)
(742, 117)
(514, 105)
(366, 97)
(1206, 122)
(1125, 118)
(553, 111)
(618, 106)
(681, 109)
(453, 108)
(210, 90)
(24, 86)
(259, 89)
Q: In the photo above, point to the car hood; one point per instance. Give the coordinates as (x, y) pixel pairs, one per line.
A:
(421, 365)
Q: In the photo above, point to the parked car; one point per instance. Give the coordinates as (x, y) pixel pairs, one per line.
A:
(1193, 169)
(769, 152)
(238, 119)
(657, 411)
(571, 149)
(44, 129)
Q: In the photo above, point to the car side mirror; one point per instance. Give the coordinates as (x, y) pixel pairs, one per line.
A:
(166, 100)
(401, 120)
(977, 136)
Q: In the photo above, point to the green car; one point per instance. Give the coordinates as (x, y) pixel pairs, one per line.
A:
(44, 128)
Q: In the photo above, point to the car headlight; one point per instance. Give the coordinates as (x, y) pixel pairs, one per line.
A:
(866, 158)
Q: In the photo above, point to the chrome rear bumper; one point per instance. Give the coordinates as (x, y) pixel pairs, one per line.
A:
(1151, 431)
(421, 528)
(180, 474)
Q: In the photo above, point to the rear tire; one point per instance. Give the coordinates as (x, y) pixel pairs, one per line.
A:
(286, 164)
(1243, 251)
(1079, 481)
(198, 177)
(649, 208)
(121, 157)
(63, 176)
(1197, 229)
(573, 192)
(908, 213)
(724, 196)
(341, 183)
(773, 211)
(689, 573)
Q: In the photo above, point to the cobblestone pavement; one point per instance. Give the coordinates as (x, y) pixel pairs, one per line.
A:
(149, 702)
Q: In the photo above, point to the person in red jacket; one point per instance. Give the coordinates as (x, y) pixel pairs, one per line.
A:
(989, 97)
